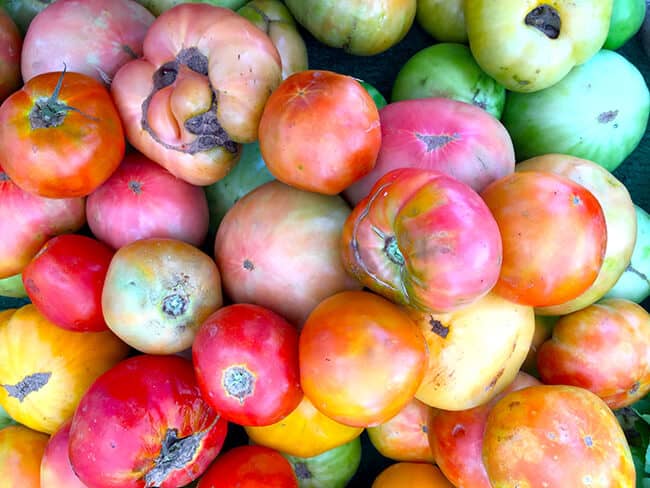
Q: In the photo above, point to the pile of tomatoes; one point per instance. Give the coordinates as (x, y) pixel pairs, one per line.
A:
(211, 236)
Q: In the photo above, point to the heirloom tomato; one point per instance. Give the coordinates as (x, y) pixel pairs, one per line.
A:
(13, 287)
(144, 424)
(45, 369)
(547, 435)
(112, 34)
(65, 281)
(10, 47)
(157, 7)
(423, 239)
(411, 475)
(361, 358)
(627, 18)
(443, 19)
(198, 91)
(249, 467)
(56, 470)
(305, 432)
(320, 131)
(157, 292)
(21, 450)
(143, 200)
(530, 45)
(246, 363)
(604, 348)
(554, 237)
(61, 135)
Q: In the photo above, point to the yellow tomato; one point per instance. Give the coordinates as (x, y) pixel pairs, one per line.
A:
(411, 475)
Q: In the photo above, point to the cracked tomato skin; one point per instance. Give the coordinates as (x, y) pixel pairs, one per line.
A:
(198, 91)
(21, 450)
(549, 435)
(142, 407)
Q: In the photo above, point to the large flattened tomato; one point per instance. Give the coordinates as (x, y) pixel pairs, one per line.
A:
(198, 91)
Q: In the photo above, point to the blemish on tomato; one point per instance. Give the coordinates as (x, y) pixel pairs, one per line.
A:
(588, 441)
(438, 328)
(248, 265)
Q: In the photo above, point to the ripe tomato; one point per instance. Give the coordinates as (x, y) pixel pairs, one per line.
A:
(320, 131)
(21, 450)
(61, 135)
(411, 475)
(10, 47)
(361, 358)
(56, 470)
(246, 363)
(65, 281)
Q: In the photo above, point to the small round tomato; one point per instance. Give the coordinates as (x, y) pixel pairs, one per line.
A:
(10, 47)
(56, 470)
(320, 131)
(21, 450)
(361, 358)
(250, 467)
(411, 475)
(245, 386)
(65, 281)
(554, 237)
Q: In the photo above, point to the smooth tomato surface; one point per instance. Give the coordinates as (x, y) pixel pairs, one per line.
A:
(411, 475)
(10, 48)
(21, 450)
(56, 470)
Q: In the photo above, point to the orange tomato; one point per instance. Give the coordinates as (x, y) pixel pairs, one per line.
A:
(21, 451)
(411, 475)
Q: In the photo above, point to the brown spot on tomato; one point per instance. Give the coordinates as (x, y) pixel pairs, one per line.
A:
(438, 328)
(27, 385)
(606, 117)
(545, 19)
(493, 383)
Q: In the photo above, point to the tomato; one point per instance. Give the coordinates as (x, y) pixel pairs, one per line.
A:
(604, 348)
(543, 330)
(320, 131)
(627, 18)
(530, 45)
(361, 358)
(423, 239)
(332, 469)
(12, 286)
(443, 19)
(198, 91)
(468, 363)
(95, 37)
(249, 467)
(356, 26)
(159, 6)
(157, 293)
(448, 70)
(555, 436)
(554, 237)
(404, 436)
(56, 470)
(45, 369)
(456, 438)
(275, 19)
(143, 200)
(452, 137)
(379, 99)
(11, 42)
(21, 450)
(245, 386)
(587, 115)
(61, 135)
(65, 281)
(620, 219)
(144, 424)
(411, 475)
(305, 432)
(278, 247)
(40, 219)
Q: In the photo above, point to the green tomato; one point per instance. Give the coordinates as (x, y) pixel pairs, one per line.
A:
(13, 287)
(331, 469)
(23, 11)
(450, 71)
(599, 112)
(249, 173)
(444, 20)
(379, 99)
(627, 18)
(157, 7)
(634, 283)
(528, 46)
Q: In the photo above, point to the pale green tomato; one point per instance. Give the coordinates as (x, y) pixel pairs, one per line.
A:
(13, 287)
(443, 19)
(157, 7)
(527, 45)
(627, 18)
(376, 95)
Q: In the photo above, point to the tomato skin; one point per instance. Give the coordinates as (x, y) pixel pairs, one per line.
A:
(320, 131)
(142, 403)
(249, 467)
(604, 348)
(554, 237)
(21, 450)
(65, 281)
(361, 358)
(411, 475)
(258, 347)
(56, 470)
(40, 219)
(142, 200)
(11, 42)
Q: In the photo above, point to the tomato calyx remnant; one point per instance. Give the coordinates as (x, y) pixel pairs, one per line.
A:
(175, 304)
(238, 382)
(27, 385)
(135, 187)
(434, 142)
(545, 19)
(206, 125)
(391, 249)
(4, 176)
(438, 328)
(302, 471)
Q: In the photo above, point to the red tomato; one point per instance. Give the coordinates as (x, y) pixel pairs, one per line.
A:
(65, 281)
(250, 467)
(10, 48)
(246, 363)
(554, 237)
(320, 131)
(141, 200)
(56, 470)
(361, 358)
(21, 450)
(61, 135)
